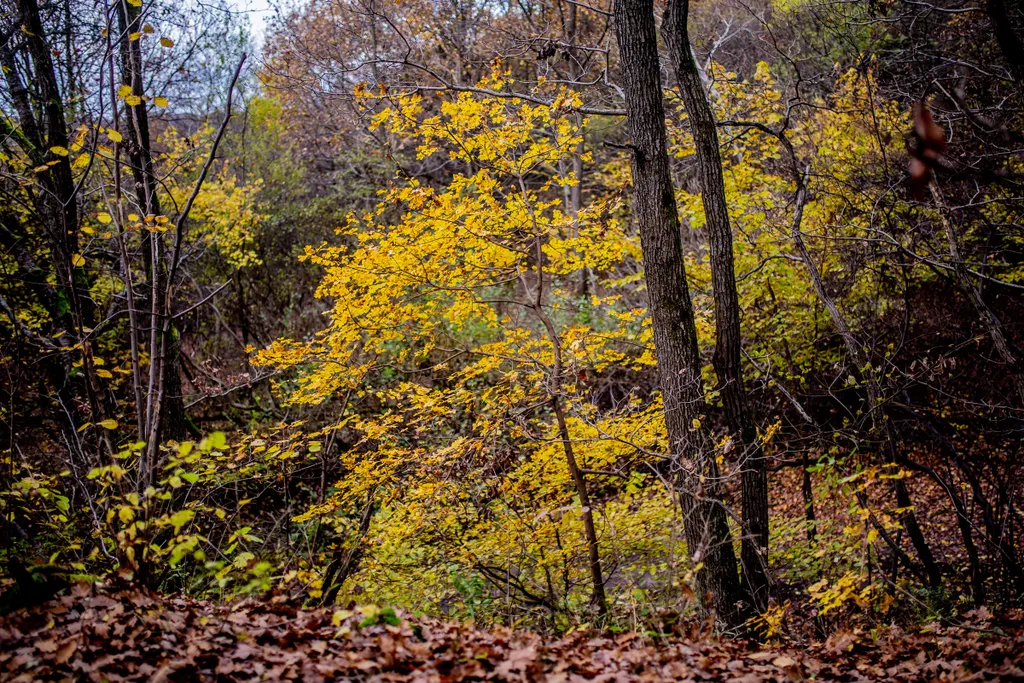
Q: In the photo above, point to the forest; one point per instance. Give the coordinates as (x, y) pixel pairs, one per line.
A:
(557, 340)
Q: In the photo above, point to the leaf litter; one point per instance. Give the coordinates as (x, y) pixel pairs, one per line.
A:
(103, 634)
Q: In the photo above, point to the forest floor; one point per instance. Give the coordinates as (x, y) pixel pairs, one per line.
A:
(114, 635)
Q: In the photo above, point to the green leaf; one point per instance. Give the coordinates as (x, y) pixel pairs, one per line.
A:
(181, 518)
(242, 559)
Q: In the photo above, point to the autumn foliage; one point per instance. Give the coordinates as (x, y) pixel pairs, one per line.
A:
(381, 317)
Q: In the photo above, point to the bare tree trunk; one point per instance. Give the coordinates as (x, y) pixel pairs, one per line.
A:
(579, 481)
(675, 334)
(570, 31)
(593, 553)
(346, 562)
(1008, 24)
(728, 338)
(963, 521)
(165, 368)
(994, 529)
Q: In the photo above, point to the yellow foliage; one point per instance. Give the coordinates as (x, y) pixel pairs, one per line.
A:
(225, 213)
(441, 315)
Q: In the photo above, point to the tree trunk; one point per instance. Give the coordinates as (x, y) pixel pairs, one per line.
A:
(346, 562)
(728, 339)
(675, 334)
(56, 205)
(598, 597)
(569, 34)
(172, 422)
(40, 110)
(1008, 24)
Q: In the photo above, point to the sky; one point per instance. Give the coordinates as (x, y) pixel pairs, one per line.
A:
(259, 13)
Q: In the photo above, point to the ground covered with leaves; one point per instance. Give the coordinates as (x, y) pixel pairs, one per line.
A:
(117, 635)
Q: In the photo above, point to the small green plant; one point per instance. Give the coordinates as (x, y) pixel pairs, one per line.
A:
(375, 616)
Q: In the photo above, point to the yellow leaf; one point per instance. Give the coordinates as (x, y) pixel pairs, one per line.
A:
(135, 3)
(108, 424)
(77, 260)
(114, 135)
(133, 100)
(148, 28)
(60, 151)
(126, 514)
(160, 101)
(105, 374)
(124, 90)
(134, 36)
(41, 169)
(103, 217)
(167, 42)
(81, 160)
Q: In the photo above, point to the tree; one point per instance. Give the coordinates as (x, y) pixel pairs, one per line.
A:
(43, 138)
(728, 337)
(671, 310)
(468, 292)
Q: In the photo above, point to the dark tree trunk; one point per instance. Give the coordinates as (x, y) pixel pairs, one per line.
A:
(1008, 24)
(728, 340)
(675, 334)
(346, 561)
(43, 129)
(808, 491)
(173, 422)
(598, 597)
(56, 205)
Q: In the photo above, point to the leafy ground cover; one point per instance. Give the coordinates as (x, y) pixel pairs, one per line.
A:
(92, 633)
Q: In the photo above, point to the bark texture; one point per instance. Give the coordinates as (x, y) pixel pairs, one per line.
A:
(675, 335)
(728, 339)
